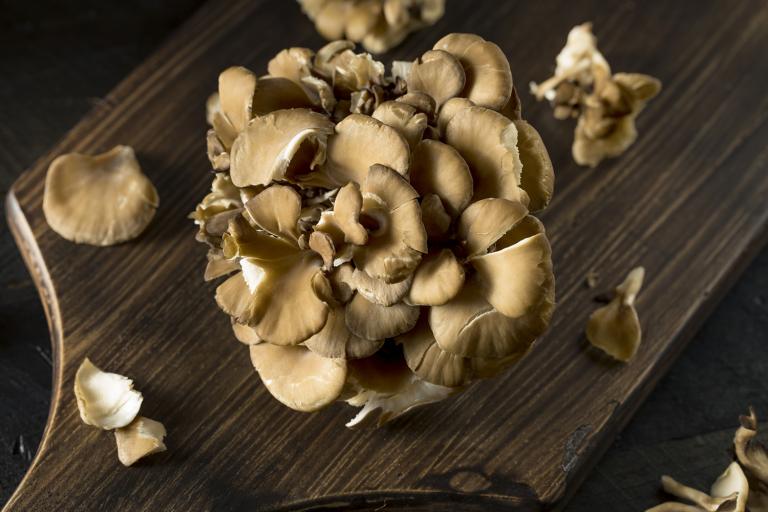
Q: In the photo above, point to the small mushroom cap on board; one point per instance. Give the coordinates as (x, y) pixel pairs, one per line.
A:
(140, 438)
(105, 400)
(99, 200)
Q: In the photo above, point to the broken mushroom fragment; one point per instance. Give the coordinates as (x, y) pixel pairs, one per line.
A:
(105, 400)
(375, 244)
(615, 328)
(729, 492)
(140, 438)
(98, 200)
(606, 104)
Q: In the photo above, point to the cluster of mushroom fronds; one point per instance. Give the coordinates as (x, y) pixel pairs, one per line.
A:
(743, 486)
(377, 226)
(108, 401)
(376, 24)
(606, 104)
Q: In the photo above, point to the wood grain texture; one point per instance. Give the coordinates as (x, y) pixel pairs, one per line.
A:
(687, 202)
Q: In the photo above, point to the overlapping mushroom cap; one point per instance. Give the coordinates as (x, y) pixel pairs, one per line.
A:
(374, 227)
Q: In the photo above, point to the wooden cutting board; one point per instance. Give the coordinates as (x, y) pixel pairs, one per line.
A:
(687, 201)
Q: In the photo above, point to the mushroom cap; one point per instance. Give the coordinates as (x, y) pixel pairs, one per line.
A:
(141, 438)
(439, 169)
(438, 74)
(420, 101)
(105, 400)
(278, 93)
(278, 145)
(359, 142)
(372, 321)
(395, 246)
(335, 340)
(437, 279)
(409, 122)
(488, 76)
(449, 109)
(237, 87)
(615, 328)
(488, 143)
(98, 200)
(386, 388)
(297, 377)
(538, 175)
(378, 291)
(291, 63)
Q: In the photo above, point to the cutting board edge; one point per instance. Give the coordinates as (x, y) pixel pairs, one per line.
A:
(35, 263)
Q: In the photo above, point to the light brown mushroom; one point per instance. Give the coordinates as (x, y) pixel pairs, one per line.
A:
(729, 492)
(360, 142)
(488, 76)
(615, 328)
(140, 438)
(437, 168)
(405, 119)
(449, 109)
(372, 321)
(437, 279)
(538, 176)
(438, 74)
(279, 145)
(98, 200)
(291, 63)
(297, 377)
(105, 400)
(488, 143)
(753, 457)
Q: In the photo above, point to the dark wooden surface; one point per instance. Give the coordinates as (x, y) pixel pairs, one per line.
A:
(680, 134)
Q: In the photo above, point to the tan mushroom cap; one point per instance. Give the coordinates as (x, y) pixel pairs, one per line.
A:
(376, 322)
(430, 362)
(270, 305)
(538, 175)
(615, 328)
(105, 400)
(483, 223)
(297, 377)
(237, 87)
(98, 200)
(398, 237)
(278, 93)
(280, 144)
(437, 279)
(438, 74)
(335, 340)
(420, 101)
(245, 334)
(141, 438)
(346, 211)
(405, 119)
(291, 63)
(276, 210)
(439, 169)
(488, 76)
(359, 142)
(362, 18)
(378, 291)
(449, 109)
(488, 143)
(434, 216)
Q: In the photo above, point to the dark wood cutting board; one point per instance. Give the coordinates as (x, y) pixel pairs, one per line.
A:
(688, 201)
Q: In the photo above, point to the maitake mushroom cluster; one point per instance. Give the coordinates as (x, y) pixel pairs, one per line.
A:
(377, 24)
(606, 104)
(377, 226)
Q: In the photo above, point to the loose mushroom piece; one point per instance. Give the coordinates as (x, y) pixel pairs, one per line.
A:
(730, 492)
(753, 457)
(141, 438)
(488, 76)
(605, 104)
(360, 142)
(297, 377)
(438, 74)
(277, 145)
(615, 328)
(488, 142)
(98, 200)
(105, 400)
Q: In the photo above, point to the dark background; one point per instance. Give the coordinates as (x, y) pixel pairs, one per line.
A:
(58, 59)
